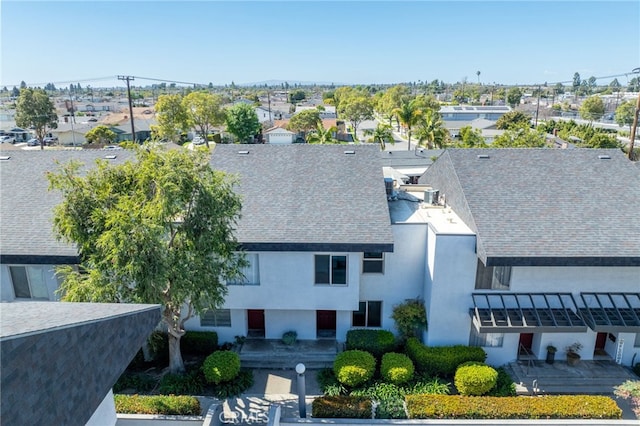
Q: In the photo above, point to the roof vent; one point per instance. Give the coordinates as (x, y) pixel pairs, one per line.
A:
(604, 157)
(483, 156)
(5, 158)
(110, 157)
(243, 152)
(350, 152)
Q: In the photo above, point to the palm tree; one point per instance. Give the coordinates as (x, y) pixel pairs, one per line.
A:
(321, 135)
(431, 130)
(478, 74)
(380, 134)
(408, 114)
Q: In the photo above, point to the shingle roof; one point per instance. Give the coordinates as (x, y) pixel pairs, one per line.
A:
(26, 204)
(309, 197)
(544, 206)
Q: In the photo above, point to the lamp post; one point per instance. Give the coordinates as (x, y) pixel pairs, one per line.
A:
(302, 404)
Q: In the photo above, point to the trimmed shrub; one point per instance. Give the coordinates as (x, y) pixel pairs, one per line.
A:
(342, 407)
(636, 369)
(504, 384)
(474, 378)
(199, 343)
(352, 368)
(190, 383)
(376, 342)
(410, 318)
(289, 338)
(328, 383)
(221, 366)
(139, 382)
(521, 407)
(396, 368)
(441, 360)
(158, 404)
(233, 388)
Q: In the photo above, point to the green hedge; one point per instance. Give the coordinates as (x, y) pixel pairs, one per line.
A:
(199, 343)
(221, 366)
(376, 342)
(441, 360)
(521, 407)
(353, 368)
(342, 407)
(474, 378)
(396, 368)
(158, 404)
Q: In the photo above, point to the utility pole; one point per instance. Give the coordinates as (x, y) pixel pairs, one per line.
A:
(128, 78)
(632, 137)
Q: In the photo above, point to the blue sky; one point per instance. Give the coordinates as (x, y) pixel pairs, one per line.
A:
(509, 42)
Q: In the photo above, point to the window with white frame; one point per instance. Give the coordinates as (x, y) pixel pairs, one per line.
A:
(28, 282)
(330, 269)
(369, 314)
(486, 340)
(493, 277)
(372, 263)
(216, 318)
(250, 273)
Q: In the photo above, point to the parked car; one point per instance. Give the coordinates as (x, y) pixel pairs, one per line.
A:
(7, 139)
(50, 140)
(112, 147)
(33, 142)
(93, 119)
(198, 140)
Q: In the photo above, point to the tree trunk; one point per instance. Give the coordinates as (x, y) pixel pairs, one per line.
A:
(176, 365)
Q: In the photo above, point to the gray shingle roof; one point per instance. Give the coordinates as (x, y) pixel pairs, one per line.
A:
(544, 206)
(309, 197)
(26, 204)
(59, 360)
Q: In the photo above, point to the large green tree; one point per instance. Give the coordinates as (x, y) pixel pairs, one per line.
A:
(100, 134)
(624, 114)
(392, 99)
(34, 109)
(205, 112)
(156, 230)
(520, 137)
(321, 135)
(471, 138)
(173, 119)
(305, 121)
(513, 96)
(356, 109)
(592, 108)
(242, 122)
(513, 119)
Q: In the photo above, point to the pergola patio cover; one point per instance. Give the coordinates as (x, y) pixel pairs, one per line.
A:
(526, 313)
(611, 312)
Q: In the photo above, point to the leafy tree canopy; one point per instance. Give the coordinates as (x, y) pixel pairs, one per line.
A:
(624, 113)
(513, 119)
(155, 230)
(35, 109)
(242, 122)
(100, 134)
(513, 96)
(173, 119)
(520, 137)
(592, 108)
(471, 138)
(305, 121)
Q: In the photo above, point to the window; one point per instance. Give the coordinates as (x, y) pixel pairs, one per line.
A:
(216, 318)
(330, 269)
(369, 314)
(373, 263)
(493, 277)
(250, 273)
(28, 282)
(487, 340)
(636, 343)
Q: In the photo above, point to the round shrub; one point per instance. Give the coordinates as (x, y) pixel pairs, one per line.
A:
(353, 368)
(474, 378)
(376, 342)
(221, 366)
(396, 368)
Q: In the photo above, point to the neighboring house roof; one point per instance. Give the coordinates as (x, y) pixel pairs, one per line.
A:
(411, 163)
(461, 109)
(60, 360)
(26, 205)
(483, 123)
(279, 131)
(551, 207)
(309, 197)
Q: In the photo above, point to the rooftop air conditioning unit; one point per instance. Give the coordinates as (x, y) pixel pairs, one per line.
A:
(431, 196)
(388, 185)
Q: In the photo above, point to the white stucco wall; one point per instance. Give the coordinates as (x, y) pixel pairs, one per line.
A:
(403, 276)
(277, 322)
(6, 286)
(287, 282)
(280, 138)
(225, 334)
(452, 271)
(105, 414)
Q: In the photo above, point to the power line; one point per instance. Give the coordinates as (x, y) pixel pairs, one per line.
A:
(82, 80)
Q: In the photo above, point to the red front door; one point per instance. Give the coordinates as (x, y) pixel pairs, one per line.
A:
(601, 341)
(325, 324)
(255, 322)
(526, 341)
